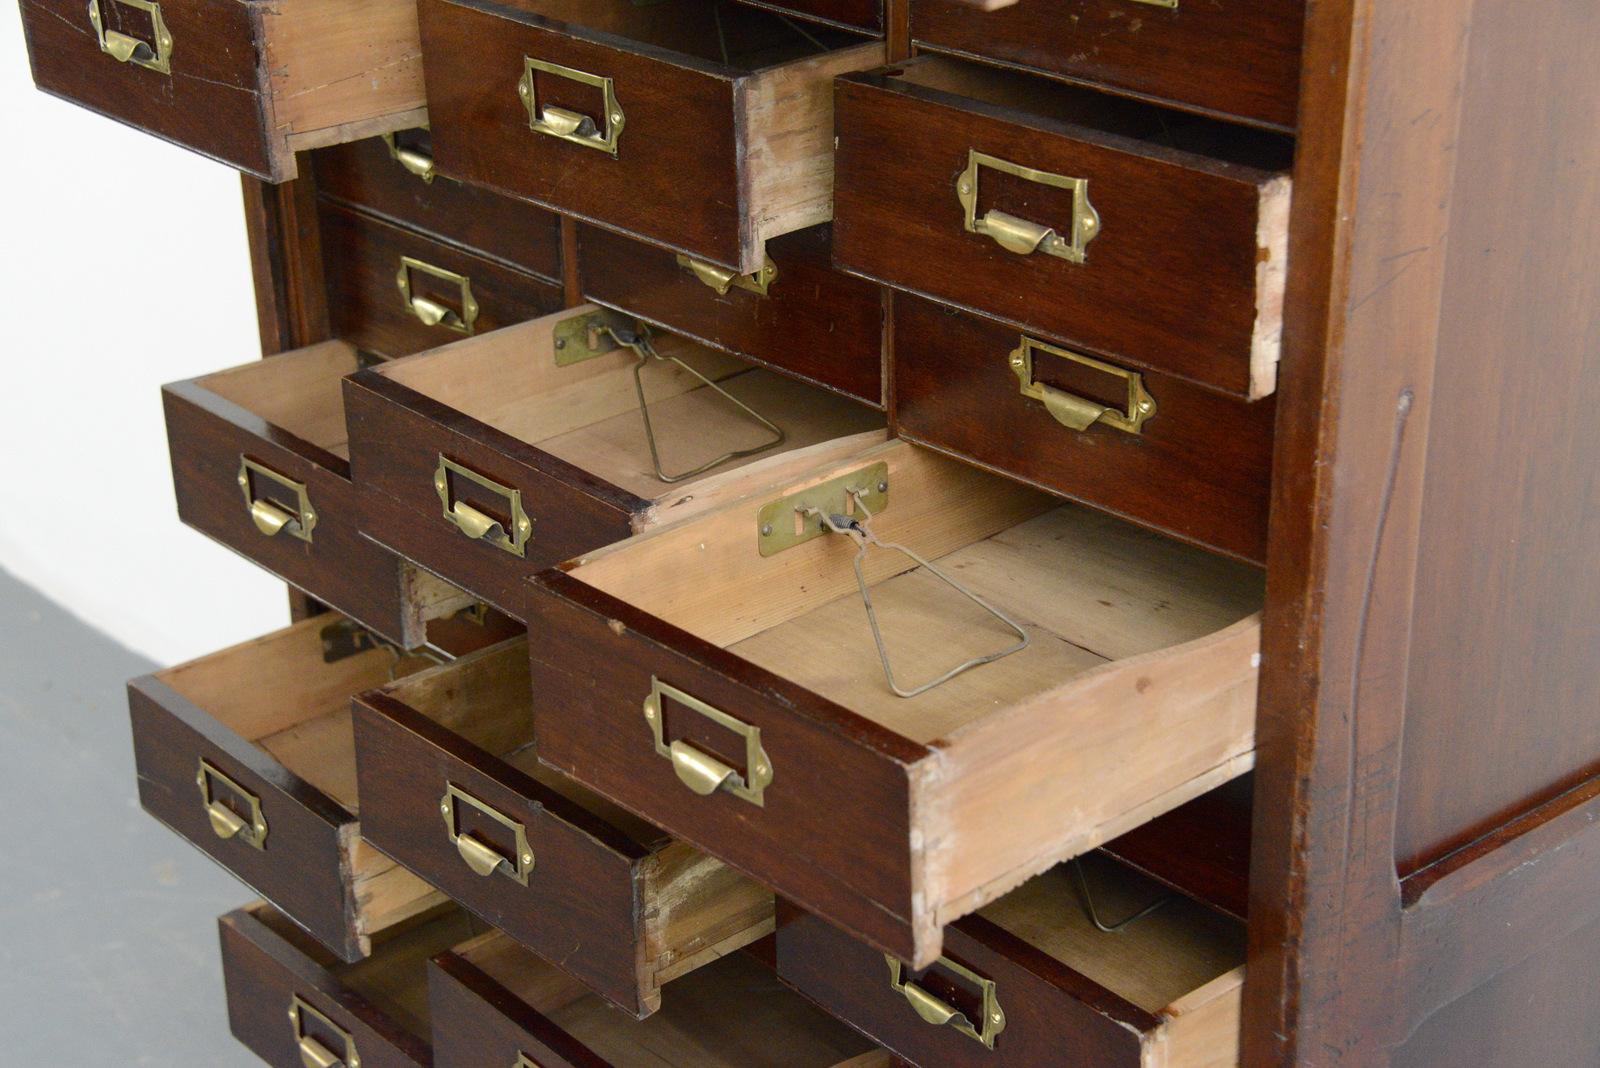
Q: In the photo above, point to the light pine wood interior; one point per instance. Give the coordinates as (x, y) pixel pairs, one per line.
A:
(730, 1014)
(297, 391)
(588, 413)
(277, 693)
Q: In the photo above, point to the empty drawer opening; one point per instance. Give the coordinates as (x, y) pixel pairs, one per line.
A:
(297, 392)
(574, 394)
(711, 1018)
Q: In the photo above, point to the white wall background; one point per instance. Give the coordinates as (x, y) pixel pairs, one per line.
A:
(123, 265)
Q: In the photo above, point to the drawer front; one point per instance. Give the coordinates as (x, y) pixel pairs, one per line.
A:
(398, 440)
(366, 175)
(1051, 1014)
(180, 750)
(812, 322)
(675, 177)
(1238, 59)
(832, 827)
(578, 903)
(363, 257)
(1199, 469)
(267, 977)
(209, 438)
(1181, 274)
(864, 15)
(210, 101)
(479, 1022)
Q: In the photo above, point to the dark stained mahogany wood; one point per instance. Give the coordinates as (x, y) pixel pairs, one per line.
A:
(1200, 469)
(362, 255)
(1173, 281)
(794, 842)
(286, 263)
(1201, 849)
(478, 1021)
(211, 103)
(815, 323)
(363, 176)
(304, 869)
(1237, 58)
(208, 435)
(865, 15)
(266, 964)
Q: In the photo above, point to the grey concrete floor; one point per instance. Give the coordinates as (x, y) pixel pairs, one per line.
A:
(108, 938)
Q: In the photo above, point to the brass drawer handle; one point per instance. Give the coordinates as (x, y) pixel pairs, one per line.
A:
(510, 535)
(127, 49)
(313, 1054)
(568, 125)
(483, 858)
(271, 517)
(699, 771)
(413, 159)
(1080, 413)
(722, 279)
(251, 829)
(1020, 235)
(429, 311)
(940, 1013)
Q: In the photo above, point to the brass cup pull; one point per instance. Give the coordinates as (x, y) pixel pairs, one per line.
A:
(413, 159)
(516, 862)
(510, 536)
(1080, 413)
(271, 517)
(721, 279)
(1019, 235)
(567, 125)
(227, 823)
(155, 54)
(699, 771)
(431, 312)
(940, 1013)
(313, 1053)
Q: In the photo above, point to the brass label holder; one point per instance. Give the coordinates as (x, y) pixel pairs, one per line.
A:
(1080, 413)
(413, 159)
(251, 829)
(156, 56)
(483, 858)
(571, 125)
(474, 523)
(702, 772)
(940, 1013)
(269, 516)
(794, 520)
(429, 311)
(525, 1061)
(313, 1054)
(1020, 235)
(583, 337)
(721, 279)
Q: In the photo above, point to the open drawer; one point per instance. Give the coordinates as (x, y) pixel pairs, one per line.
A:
(1032, 980)
(1136, 234)
(249, 754)
(259, 463)
(494, 1003)
(705, 127)
(617, 903)
(719, 677)
(294, 1006)
(491, 458)
(242, 81)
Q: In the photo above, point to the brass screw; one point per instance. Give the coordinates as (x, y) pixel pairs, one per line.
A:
(766, 530)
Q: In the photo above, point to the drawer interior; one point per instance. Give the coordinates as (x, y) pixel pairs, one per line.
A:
(487, 699)
(297, 391)
(278, 694)
(1088, 588)
(715, 1017)
(740, 38)
(394, 979)
(587, 413)
(1098, 112)
(1156, 962)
